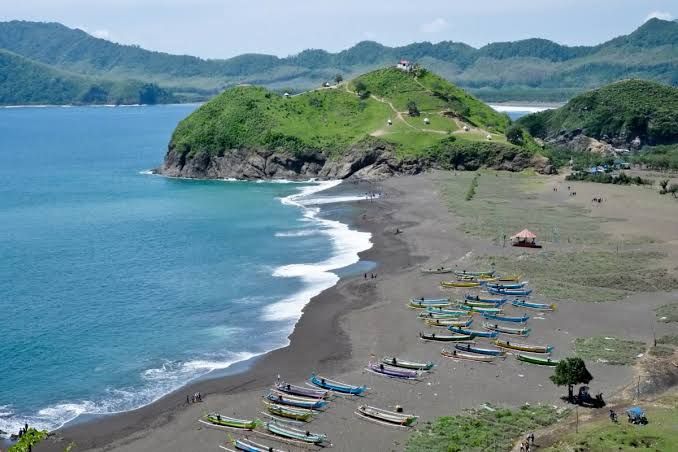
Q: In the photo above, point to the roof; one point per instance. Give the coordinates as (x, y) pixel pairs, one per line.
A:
(524, 234)
(636, 411)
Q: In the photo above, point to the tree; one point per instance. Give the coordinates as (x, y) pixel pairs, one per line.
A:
(412, 109)
(570, 372)
(338, 78)
(360, 87)
(514, 135)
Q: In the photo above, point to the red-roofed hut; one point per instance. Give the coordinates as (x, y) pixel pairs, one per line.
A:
(525, 238)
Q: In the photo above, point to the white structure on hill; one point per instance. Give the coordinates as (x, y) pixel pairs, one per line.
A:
(405, 65)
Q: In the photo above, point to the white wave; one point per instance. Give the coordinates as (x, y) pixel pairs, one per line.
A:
(302, 233)
(520, 108)
(147, 172)
(318, 276)
(333, 200)
(6, 410)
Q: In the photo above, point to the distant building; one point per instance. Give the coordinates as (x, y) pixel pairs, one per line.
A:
(427, 121)
(489, 137)
(405, 65)
(286, 94)
(326, 84)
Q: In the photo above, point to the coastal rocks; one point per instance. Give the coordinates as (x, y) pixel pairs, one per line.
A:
(542, 165)
(366, 160)
(578, 142)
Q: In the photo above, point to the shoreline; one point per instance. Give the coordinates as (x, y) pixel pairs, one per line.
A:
(243, 375)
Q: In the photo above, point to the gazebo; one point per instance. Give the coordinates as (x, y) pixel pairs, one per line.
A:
(525, 238)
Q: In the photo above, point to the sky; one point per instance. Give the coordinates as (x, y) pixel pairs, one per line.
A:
(225, 28)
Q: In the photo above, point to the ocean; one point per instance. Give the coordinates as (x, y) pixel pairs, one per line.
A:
(118, 286)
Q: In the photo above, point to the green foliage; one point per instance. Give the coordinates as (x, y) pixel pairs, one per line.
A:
(668, 339)
(338, 78)
(623, 110)
(570, 372)
(412, 109)
(31, 437)
(471, 192)
(514, 135)
(608, 349)
(663, 157)
(482, 429)
(472, 155)
(667, 313)
(607, 178)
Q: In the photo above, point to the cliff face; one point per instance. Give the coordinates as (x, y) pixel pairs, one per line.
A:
(364, 160)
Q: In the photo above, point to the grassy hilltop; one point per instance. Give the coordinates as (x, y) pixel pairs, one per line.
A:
(430, 118)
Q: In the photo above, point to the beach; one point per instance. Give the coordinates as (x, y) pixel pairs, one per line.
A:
(361, 319)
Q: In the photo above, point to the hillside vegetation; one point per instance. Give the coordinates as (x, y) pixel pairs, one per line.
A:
(623, 110)
(331, 120)
(531, 69)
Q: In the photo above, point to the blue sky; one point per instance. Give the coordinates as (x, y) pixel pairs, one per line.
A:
(224, 28)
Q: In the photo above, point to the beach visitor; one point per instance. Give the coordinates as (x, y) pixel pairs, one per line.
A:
(522, 446)
(530, 438)
(365, 275)
(394, 361)
(218, 417)
(188, 400)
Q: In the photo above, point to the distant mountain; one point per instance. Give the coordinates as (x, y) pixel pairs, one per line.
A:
(531, 69)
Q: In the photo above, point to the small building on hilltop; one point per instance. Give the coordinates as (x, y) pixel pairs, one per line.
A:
(405, 65)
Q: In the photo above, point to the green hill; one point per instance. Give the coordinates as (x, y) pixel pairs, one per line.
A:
(531, 69)
(619, 112)
(432, 123)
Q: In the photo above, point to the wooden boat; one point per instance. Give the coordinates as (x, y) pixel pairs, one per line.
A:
(473, 333)
(389, 417)
(423, 304)
(454, 354)
(437, 271)
(298, 414)
(474, 273)
(537, 306)
(516, 285)
(247, 445)
(514, 292)
(537, 360)
(299, 402)
(479, 309)
(469, 297)
(506, 318)
(445, 310)
(472, 348)
(225, 421)
(405, 364)
(393, 372)
(441, 315)
(301, 390)
(295, 434)
(455, 321)
(480, 304)
(336, 386)
(524, 347)
(454, 284)
(509, 278)
(445, 337)
(506, 329)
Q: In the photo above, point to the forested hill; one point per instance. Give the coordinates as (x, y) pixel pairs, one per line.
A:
(532, 69)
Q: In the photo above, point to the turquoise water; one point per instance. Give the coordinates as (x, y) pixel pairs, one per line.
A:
(118, 286)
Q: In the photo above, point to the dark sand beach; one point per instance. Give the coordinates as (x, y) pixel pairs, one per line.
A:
(359, 319)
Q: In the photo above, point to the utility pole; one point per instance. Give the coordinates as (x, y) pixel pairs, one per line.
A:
(576, 410)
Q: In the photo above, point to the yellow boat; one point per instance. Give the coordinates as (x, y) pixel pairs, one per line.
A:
(460, 284)
(510, 278)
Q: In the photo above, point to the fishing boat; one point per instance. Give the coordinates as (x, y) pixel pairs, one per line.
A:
(225, 421)
(472, 348)
(479, 309)
(247, 445)
(516, 285)
(524, 347)
(389, 417)
(506, 330)
(405, 364)
(295, 434)
(301, 390)
(506, 318)
(441, 315)
(423, 303)
(445, 310)
(537, 360)
(455, 321)
(299, 402)
(445, 337)
(474, 273)
(509, 278)
(393, 372)
(473, 333)
(537, 306)
(454, 354)
(437, 271)
(336, 386)
(480, 304)
(298, 414)
(514, 292)
(454, 284)
(469, 297)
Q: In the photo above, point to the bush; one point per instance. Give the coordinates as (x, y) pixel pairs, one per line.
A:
(606, 178)
(412, 108)
(514, 135)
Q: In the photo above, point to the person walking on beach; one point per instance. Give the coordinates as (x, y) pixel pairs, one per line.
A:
(188, 399)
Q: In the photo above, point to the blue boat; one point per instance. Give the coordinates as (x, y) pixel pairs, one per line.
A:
(517, 285)
(506, 318)
(537, 306)
(497, 301)
(479, 309)
(480, 350)
(300, 402)
(473, 333)
(515, 292)
(336, 386)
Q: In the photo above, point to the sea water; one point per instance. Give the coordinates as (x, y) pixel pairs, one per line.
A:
(117, 286)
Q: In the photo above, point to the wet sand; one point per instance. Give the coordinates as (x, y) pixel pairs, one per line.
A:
(358, 319)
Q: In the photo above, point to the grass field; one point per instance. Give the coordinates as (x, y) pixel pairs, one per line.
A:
(667, 313)
(608, 349)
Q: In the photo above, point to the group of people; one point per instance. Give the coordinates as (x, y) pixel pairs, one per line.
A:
(197, 397)
(372, 275)
(527, 444)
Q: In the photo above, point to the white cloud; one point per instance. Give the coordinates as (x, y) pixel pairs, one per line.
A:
(435, 26)
(103, 34)
(663, 15)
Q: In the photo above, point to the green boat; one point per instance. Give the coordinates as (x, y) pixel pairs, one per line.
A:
(295, 434)
(537, 360)
(225, 421)
(298, 414)
(397, 362)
